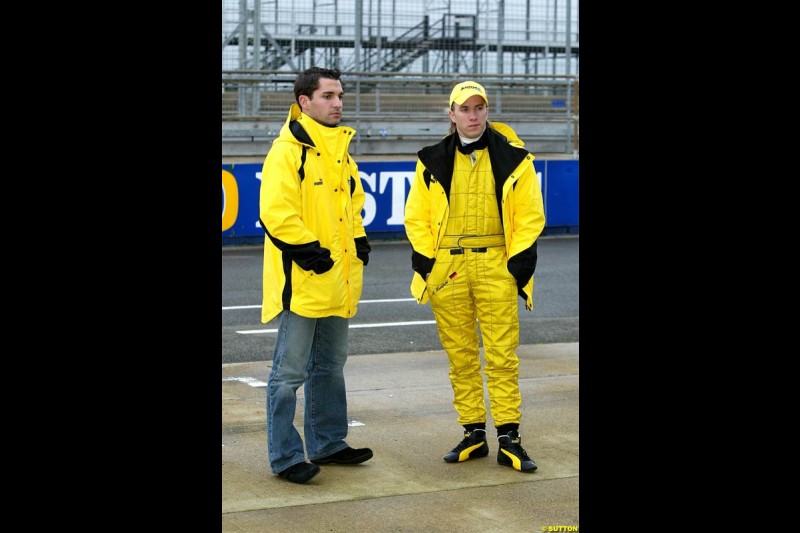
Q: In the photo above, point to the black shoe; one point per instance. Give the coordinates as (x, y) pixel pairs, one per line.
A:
(511, 453)
(474, 445)
(299, 473)
(348, 456)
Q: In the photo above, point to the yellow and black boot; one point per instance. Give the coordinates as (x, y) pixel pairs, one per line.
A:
(512, 454)
(473, 445)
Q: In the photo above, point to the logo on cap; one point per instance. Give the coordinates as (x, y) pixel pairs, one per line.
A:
(465, 90)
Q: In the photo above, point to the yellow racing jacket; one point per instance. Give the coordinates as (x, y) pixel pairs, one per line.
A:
(310, 205)
(519, 199)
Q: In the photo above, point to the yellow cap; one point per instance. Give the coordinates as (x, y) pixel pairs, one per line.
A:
(464, 90)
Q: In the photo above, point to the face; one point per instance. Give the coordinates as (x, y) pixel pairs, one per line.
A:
(325, 105)
(470, 117)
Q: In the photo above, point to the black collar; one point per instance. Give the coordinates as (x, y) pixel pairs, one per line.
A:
(471, 147)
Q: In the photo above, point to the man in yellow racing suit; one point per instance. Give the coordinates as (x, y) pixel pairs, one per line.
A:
(473, 215)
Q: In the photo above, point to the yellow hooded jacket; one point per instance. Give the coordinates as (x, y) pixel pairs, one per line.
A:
(519, 199)
(310, 205)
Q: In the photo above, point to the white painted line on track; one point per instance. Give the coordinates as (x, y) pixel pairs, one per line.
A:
(253, 382)
(352, 326)
(387, 300)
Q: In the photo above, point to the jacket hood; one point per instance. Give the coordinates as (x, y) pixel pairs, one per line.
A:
(508, 132)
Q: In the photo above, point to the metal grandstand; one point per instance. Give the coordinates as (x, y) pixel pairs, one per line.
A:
(399, 59)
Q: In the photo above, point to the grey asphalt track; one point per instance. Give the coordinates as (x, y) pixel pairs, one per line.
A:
(400, 405)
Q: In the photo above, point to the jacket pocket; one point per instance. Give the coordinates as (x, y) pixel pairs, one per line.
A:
(419, 289)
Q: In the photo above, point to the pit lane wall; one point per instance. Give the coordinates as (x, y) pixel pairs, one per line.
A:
(386, 185)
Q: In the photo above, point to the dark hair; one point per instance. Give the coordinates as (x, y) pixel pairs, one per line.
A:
(308, 81)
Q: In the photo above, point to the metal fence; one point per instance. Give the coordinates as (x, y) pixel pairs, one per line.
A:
(399, 63)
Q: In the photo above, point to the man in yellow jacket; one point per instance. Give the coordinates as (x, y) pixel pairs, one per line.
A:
(473, 215)
(315, 250)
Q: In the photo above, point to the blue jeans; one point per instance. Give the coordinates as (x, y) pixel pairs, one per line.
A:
(309, 352)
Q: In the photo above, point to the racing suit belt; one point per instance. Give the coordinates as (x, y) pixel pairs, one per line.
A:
(472, 241)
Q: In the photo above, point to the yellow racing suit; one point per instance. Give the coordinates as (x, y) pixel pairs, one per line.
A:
(473, 221)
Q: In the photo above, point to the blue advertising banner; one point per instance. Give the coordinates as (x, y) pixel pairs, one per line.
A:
(386, 185)
(559, 181)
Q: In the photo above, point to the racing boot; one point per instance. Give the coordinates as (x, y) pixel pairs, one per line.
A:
(512, 454)
(472, 446)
